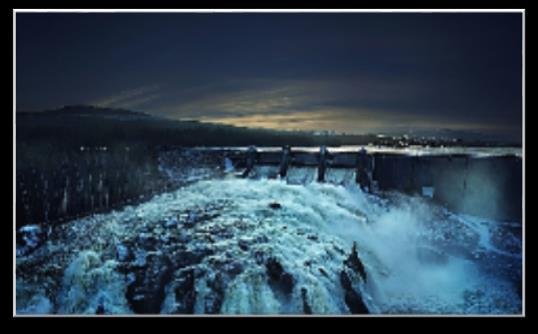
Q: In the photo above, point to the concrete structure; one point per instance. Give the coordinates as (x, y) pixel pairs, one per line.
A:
(484, 186)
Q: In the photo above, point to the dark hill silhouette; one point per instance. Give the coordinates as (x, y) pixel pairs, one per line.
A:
(88, 125)
(84, 125)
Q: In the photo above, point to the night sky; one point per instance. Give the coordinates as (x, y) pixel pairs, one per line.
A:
(351, 72)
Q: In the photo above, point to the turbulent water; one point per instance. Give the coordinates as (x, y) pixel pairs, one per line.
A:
(270, 246)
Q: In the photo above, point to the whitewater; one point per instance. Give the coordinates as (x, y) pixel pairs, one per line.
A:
(229, 245)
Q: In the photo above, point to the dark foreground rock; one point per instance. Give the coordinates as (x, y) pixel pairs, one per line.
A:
(278, 278)
(306, 307)
(353, 269)
(354, 263)
(352, 298)
(185, 292)
(275, 205)
(145, 293)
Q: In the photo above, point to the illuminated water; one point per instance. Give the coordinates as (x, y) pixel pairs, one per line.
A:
(419, 257)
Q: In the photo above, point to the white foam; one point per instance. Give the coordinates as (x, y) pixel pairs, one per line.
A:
(317, 223)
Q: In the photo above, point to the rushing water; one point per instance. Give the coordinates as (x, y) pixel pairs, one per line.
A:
(269, 246)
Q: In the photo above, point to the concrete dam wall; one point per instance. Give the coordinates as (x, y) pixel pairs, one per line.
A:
(486, 186)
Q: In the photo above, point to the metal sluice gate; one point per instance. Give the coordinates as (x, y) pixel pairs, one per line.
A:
(360, 161)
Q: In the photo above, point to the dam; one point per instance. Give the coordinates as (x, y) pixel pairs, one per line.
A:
(487, 185)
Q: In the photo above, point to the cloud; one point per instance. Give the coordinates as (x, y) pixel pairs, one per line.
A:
(348, 120)
(304, 120)
(131, 98)
(356, 105)
(240, 98)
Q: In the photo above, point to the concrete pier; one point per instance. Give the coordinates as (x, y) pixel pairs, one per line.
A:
(323, 162)
(252, 157)
(363, 173)
(284, 161)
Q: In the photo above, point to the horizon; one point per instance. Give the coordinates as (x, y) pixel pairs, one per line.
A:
(439, 133)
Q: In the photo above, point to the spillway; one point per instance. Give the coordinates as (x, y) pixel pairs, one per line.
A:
(264, 243)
